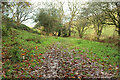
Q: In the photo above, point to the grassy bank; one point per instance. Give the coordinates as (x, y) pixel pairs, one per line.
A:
(22, 43)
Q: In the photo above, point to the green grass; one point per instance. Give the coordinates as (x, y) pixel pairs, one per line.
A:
(35, 40)
(37, 44)
(100, 49)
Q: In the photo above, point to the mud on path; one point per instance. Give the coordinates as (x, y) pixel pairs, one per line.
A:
(59, 63)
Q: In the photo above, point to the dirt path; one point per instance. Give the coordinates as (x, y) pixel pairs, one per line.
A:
(59, 63)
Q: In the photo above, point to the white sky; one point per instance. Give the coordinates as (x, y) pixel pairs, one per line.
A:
(31, 23)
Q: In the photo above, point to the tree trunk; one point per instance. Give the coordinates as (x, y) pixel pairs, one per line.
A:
(74, 34)
(69, 33)
(80, 35)
(98, 35)
(99, 31)
(59, 33)
(18, 23)
(64, 32)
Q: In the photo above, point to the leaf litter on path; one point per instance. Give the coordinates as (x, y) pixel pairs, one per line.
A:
(59, 62)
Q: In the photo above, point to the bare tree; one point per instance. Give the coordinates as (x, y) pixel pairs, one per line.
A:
(61, 15)
(94, 14)
(82, 25)
(112, 10)
(20, 11)
(74, 8)
(5, 8)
